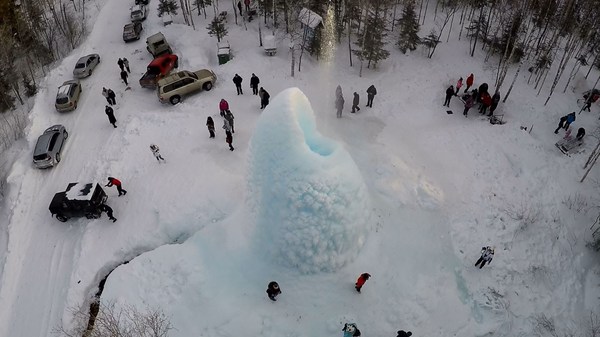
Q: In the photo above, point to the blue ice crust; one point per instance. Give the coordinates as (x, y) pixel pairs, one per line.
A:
(310, 201)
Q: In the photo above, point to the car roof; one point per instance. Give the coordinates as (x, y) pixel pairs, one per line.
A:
(63, 90)
(157, 61)
(86, 57)
(155, 38)
(136, 8)
(41, 147)
(54, 128)
(173, 77)
(80, 191)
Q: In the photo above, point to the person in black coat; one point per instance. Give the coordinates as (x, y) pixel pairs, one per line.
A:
(264, 98)
(449, 94)
(124, 76)
(495, 101)
(254, 81)
(109, 212)
(121, 64)
(483, 88)
(239, 6)
(111, 115)
(371, 92)
(211, 126)
(355, 102)
(580, 134)
(229, 117)
(402, 333)
(237, 79)
(273, 290)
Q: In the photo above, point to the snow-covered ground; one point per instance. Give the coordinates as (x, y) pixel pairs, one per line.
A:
(412, 194)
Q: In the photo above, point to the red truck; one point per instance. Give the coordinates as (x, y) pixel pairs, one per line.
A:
(157, 69)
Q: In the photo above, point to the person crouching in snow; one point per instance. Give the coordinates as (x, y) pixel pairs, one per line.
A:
(273, 290)
(487, 253)
(361, 281)
(351, 330)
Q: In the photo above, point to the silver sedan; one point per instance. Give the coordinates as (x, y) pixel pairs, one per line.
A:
(85, 66)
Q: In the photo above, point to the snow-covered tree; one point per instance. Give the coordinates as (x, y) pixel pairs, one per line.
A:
(371, 40)
(409, 27)
(167, 6)
(431, 41)
(217, 28)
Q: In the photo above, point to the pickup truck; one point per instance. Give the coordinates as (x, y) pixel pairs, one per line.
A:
(157, 69)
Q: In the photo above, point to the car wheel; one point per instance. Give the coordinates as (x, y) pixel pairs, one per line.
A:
(75, 105)
(66, 135)
(61, 218)
(58, 157)
(175, 99)
(207, 86)
(90, 72)
(176, 64)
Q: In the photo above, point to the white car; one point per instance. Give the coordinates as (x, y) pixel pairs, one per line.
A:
(139, 13)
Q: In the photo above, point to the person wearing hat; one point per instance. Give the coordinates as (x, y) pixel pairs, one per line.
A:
(487, 254)
(273, 290)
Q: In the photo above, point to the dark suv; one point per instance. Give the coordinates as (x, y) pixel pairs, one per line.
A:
(78, 200)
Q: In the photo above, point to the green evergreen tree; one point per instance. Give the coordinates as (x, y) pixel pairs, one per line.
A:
(217, 28)
(371, 40)
(30, 87)
(431, 41)
(167, 6)
(409, 27)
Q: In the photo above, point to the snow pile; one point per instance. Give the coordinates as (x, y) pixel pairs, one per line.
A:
(310, 200)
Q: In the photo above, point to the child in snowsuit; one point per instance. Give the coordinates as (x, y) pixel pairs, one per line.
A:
(449, 94)
(211, 126)
(469, 82)
(371, 92)
(223, 106)
(469, 102)
(155, 151)
(487, 253)
(111, 116)
(361, 281)
(116, 182)
(351, 330)
(273, 290)
(109, 212)
(355, 102)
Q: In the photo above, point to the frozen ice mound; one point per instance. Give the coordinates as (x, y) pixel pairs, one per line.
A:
(311, 203)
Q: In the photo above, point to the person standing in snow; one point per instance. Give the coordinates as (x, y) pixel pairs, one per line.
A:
(580, 134)
(449, 94)
(223, 106)
(211, 126)
(355, 102)
(273, 290)
(111, 115)
(361, 281)
(112, 96)
(156, 152)
(459, 85)
(371, 92)
(264, 98)
(402, 333)
(254, 81)
(229, 140)
(486, 101)
(483, 89)
(229, 117)
(237, 79)
(109, 212)
(570, 119)
(116, 182)
(126, 64)
(121, 64)
(495, 101)
(239, 6)
(124, 76)
(469, 102)
(487, 254)
(339, 103)
(105, 94)
(561, 123)
(350, 330)
(469, 82)
(247, 3)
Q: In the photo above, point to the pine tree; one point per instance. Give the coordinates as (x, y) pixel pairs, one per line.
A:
(371, 40)
(167, 6)
(409, 27)
(217, 28)
(431, 41)
(30, 88)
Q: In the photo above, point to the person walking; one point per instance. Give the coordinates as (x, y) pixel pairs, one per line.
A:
(570, 119)
(561, 124)
(355, 102)
(111, 115)
(487, 254)
(273, 290)
(211, 126)
(469, 82)
(156, 152)
(495, 101)
(468, 104)
(105, 94)
(264, 98)
(111, 97)
(371, 92)
(229, 117)
(361, 281)
(237, 79)
(402, 333)
(124, 76)
(126, 64)
(254, 82)
(228, 135)
(247, 3)
(116, 182)
(223, 106)
(109, 212)
(449, 94)
(459, 85)
(121, 64)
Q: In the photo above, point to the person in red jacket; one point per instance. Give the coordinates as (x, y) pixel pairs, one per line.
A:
(469, 82)
(113, 181)
(361, 281)
(223, 106)
(486, 101)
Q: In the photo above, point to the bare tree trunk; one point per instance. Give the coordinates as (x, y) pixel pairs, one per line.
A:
(293, 65)
(349, 24)
(420, 9)
(425, 12)
(234, 11)
(592, 65)
(513, 82)
(449, 30)
(593, 160)
(572, 43)
(184, 12)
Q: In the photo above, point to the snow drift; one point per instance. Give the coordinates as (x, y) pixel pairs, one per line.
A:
(310, 201)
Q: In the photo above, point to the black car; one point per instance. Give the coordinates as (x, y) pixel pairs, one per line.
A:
(132, 31)
(78, 200)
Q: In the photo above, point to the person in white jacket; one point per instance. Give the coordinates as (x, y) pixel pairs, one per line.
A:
(487, 254)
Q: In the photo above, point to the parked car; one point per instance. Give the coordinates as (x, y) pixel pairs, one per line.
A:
(49, 145)
(85, 65)
(144, 2)
(139, 13)
(173, 87)
(158, 45)
(132, 31)
(78, 200)
(157, 69)
(67, 96)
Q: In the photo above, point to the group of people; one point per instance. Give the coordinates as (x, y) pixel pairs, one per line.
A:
(565, 123)
(124, 65)
(479, 96)
(339, 100)
(110, 98)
